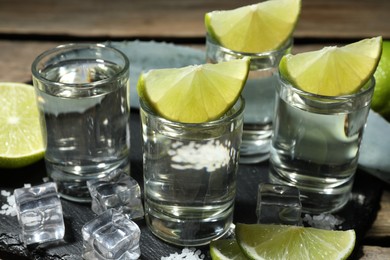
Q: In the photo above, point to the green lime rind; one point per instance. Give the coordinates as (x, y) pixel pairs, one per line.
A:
(381, 98)
(226, 249)
(19, 162)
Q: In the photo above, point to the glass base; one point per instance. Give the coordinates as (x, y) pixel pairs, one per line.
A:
(315, 200)
(255, 146)
(72, 186)
(188, 231)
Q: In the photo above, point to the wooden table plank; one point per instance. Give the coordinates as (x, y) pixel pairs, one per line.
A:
(375, 253)
(180, 19)
(16, 58)
(381, 227)
(344, 19)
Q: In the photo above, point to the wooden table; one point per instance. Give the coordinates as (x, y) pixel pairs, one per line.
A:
(27, 28)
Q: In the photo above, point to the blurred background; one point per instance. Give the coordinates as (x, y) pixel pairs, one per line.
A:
(29, 27)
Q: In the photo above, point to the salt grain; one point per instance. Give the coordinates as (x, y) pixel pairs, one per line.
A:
(186, 254)
(323, 221)
(5, 193)
(8, 207)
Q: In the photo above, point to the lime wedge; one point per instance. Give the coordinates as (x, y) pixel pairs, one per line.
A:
(194, 94)
(333, 71)
(254, 28)
(261, 241)
(381, 98)
(226, 249)
(20, 132)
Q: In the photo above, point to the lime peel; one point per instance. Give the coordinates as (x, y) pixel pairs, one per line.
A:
(381, 98)
(226, 249)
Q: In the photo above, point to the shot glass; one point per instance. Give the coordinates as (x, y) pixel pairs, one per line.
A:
(259, 94)
(82, 92)
(315, 144)
(190, 175)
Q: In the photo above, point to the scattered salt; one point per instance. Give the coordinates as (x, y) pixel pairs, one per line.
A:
(359, 198)
(186, 254)
(8, 207)
(323, 221)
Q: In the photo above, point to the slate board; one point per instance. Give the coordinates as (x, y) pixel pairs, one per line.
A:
(359, 213)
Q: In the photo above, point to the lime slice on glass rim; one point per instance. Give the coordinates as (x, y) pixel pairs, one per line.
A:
(262, 241)
(333, 71)
(194, 94)
(20, 131)
(254, 28)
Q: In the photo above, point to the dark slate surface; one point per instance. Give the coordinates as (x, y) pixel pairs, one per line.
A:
(359, 213)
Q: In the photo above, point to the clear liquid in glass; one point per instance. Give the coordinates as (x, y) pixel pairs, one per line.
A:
(87, 129)
(316, 149)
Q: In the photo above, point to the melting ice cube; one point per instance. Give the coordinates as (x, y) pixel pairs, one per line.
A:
(118, 191)
(278, 204)
(39, 213)
(111, 235)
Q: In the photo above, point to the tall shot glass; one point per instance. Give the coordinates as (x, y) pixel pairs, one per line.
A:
(83, 96)
(190, 175)
(259, 94)
(315, 144)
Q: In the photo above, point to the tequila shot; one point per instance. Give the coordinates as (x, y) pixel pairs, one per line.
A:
(190, 175)
(315, 145)
(83, 96)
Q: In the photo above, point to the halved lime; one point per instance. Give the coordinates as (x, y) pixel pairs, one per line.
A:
(333, 71)
(381, 98)
(254, 28)
(194, 94)
(226, 249)
(20, 132)
(262, 241)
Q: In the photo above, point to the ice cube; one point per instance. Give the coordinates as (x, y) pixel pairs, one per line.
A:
(278, 204)
(118, 191)
(111, 235)
(39, 213)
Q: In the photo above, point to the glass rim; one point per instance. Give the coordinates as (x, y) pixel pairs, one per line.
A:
(79, 46)
(367, 87)
(282, 48)
(224, 119)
